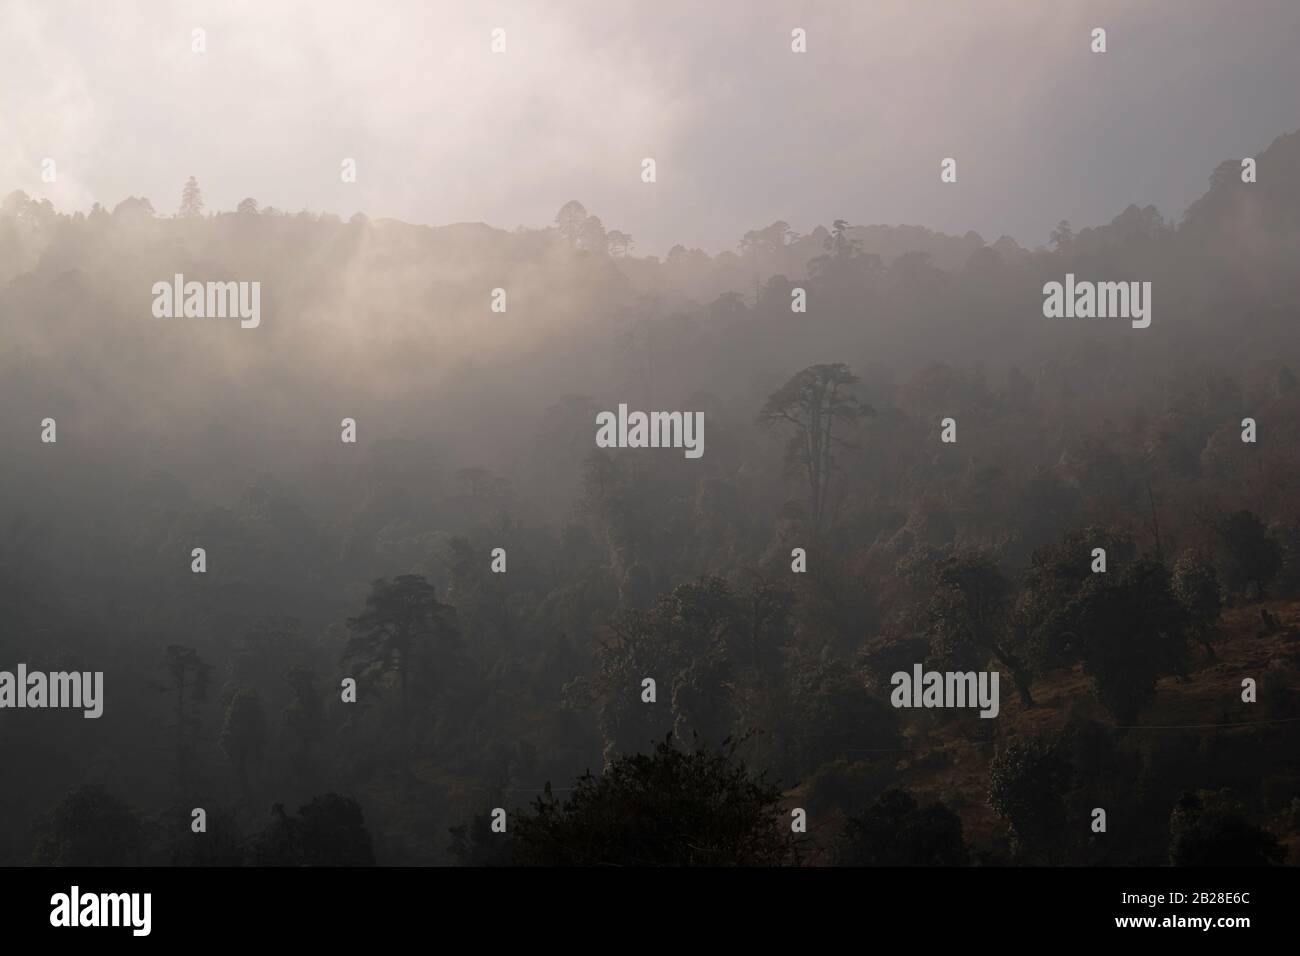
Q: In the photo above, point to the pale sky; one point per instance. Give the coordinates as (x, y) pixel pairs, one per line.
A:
(743, 131)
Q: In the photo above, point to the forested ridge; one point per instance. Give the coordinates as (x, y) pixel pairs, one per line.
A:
(522, 690)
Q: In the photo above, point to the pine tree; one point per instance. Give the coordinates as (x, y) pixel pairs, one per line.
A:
(191, 200)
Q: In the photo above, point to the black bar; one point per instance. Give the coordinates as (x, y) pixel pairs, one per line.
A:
(564, 907)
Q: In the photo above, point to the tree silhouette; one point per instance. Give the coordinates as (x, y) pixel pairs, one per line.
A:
(1210, 829)
(673, 807)
(1027, 786)
(1062, 236)
(88, 827)
(328, 831)
(592, 236)
(843, 262)
(190, 676)
(191, 200)
(833, 714)
(303, 715)
(766, 241)
(1042, 620)
(474, 843)
(1252, 557)
(570, 221)
(683, 642)
(896, 831)
(1131, 629)
(814, 407)
(133, 209)
(402, 619)
(243, 735)
(970, 612)
(1196, 585)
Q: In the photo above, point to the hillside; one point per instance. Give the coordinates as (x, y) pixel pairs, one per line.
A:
(1220, 742)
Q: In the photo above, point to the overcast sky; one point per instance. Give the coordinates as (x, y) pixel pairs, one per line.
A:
(743, 130)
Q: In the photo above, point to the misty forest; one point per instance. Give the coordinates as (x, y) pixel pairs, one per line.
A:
(827, 537)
